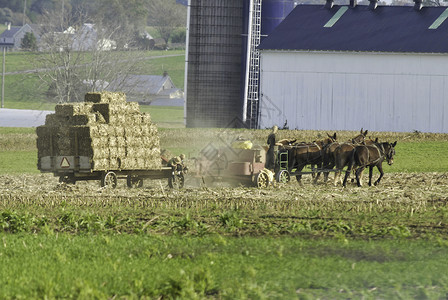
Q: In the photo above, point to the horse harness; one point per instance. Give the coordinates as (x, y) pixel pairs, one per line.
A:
(381, 154)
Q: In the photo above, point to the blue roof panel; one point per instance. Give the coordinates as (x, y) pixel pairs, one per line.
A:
(385, 29)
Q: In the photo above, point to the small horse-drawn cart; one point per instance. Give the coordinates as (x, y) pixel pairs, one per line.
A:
(233, 165)
(282, 171)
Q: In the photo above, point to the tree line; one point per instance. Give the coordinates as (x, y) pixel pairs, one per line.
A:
(128, 17)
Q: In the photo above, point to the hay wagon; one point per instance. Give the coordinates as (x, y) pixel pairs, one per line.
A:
(103, 138)
(71, 169)
(232, 165)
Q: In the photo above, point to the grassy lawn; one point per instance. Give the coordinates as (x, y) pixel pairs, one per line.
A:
(135, 266)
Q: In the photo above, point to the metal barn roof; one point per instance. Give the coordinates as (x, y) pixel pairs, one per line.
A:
(344, 28)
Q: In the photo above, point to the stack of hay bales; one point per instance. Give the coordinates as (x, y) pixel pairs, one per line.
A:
(112, 132)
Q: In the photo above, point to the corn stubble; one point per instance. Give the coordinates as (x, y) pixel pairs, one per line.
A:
(411, 204)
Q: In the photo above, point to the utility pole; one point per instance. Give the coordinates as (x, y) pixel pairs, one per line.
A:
(3, 78)
(24, 14)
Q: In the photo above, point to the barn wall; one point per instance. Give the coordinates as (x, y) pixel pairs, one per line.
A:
(347, 91)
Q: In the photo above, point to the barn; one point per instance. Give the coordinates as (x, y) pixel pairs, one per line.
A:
(343, 67)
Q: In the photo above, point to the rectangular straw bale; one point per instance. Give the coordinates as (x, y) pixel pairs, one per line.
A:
(103, 109)
(44, 141)
(43, 131)
(117, 119)
(105, 97)
(135, 152)
(56, 120)
(71, 109)
(145, 130)
(135, 119)
(100, 153)
(86, 119)
(151, 139)
(132, 107)
(146, 118)
(121, 141)
(114, 163)
(129, 163)
(133, 141)
(119, 131)
(100, 164)
(120, 151)
(103, 130)
(113, 142)
(133, 131)
(83, 131)
(100, 142)
(152, 163)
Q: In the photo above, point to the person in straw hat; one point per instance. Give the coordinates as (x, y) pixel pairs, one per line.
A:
(270, 154)
(174, 163)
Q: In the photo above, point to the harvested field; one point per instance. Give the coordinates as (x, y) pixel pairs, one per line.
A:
(408, 205)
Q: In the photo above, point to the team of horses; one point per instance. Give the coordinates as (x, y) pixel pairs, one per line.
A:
(330, 155)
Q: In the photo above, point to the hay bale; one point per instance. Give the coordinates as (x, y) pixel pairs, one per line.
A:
(86, 119)
(72, 109)
(106, 128)
(105, 97)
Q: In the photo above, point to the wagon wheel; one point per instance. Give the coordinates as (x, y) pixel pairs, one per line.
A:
(283, 176)
(134, 181)
(176, 181)
(109, 179)
(262, 180)
(69, 179)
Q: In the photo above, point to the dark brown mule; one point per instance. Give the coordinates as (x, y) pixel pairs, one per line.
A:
(370, 156)
(329, 153)
(302, 154)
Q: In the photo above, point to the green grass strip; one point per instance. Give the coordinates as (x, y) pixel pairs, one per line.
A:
(176, 267)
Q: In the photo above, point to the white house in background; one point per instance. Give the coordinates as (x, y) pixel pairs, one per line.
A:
(11, 38)
(147, 89)
(86, 38)
(383, 68)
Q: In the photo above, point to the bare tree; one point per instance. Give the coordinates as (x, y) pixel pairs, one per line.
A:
(166, 16)
(81, 55)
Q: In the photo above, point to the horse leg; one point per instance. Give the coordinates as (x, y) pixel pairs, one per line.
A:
(347, 173)
(370, 175)
(380, 168)
(319, 166)
(337, 174)
(359, 176)
(299, 176)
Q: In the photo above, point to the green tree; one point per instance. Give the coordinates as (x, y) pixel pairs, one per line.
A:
(78, 59)
(29, 42)
(125, 16)
(6, 15)
(166, 16)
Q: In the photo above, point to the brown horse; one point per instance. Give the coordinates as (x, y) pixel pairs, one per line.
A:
(370, 156)
(329, 153)
(302, 154)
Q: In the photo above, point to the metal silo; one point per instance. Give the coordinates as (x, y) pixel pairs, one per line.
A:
(213, 66)
(222, 63)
